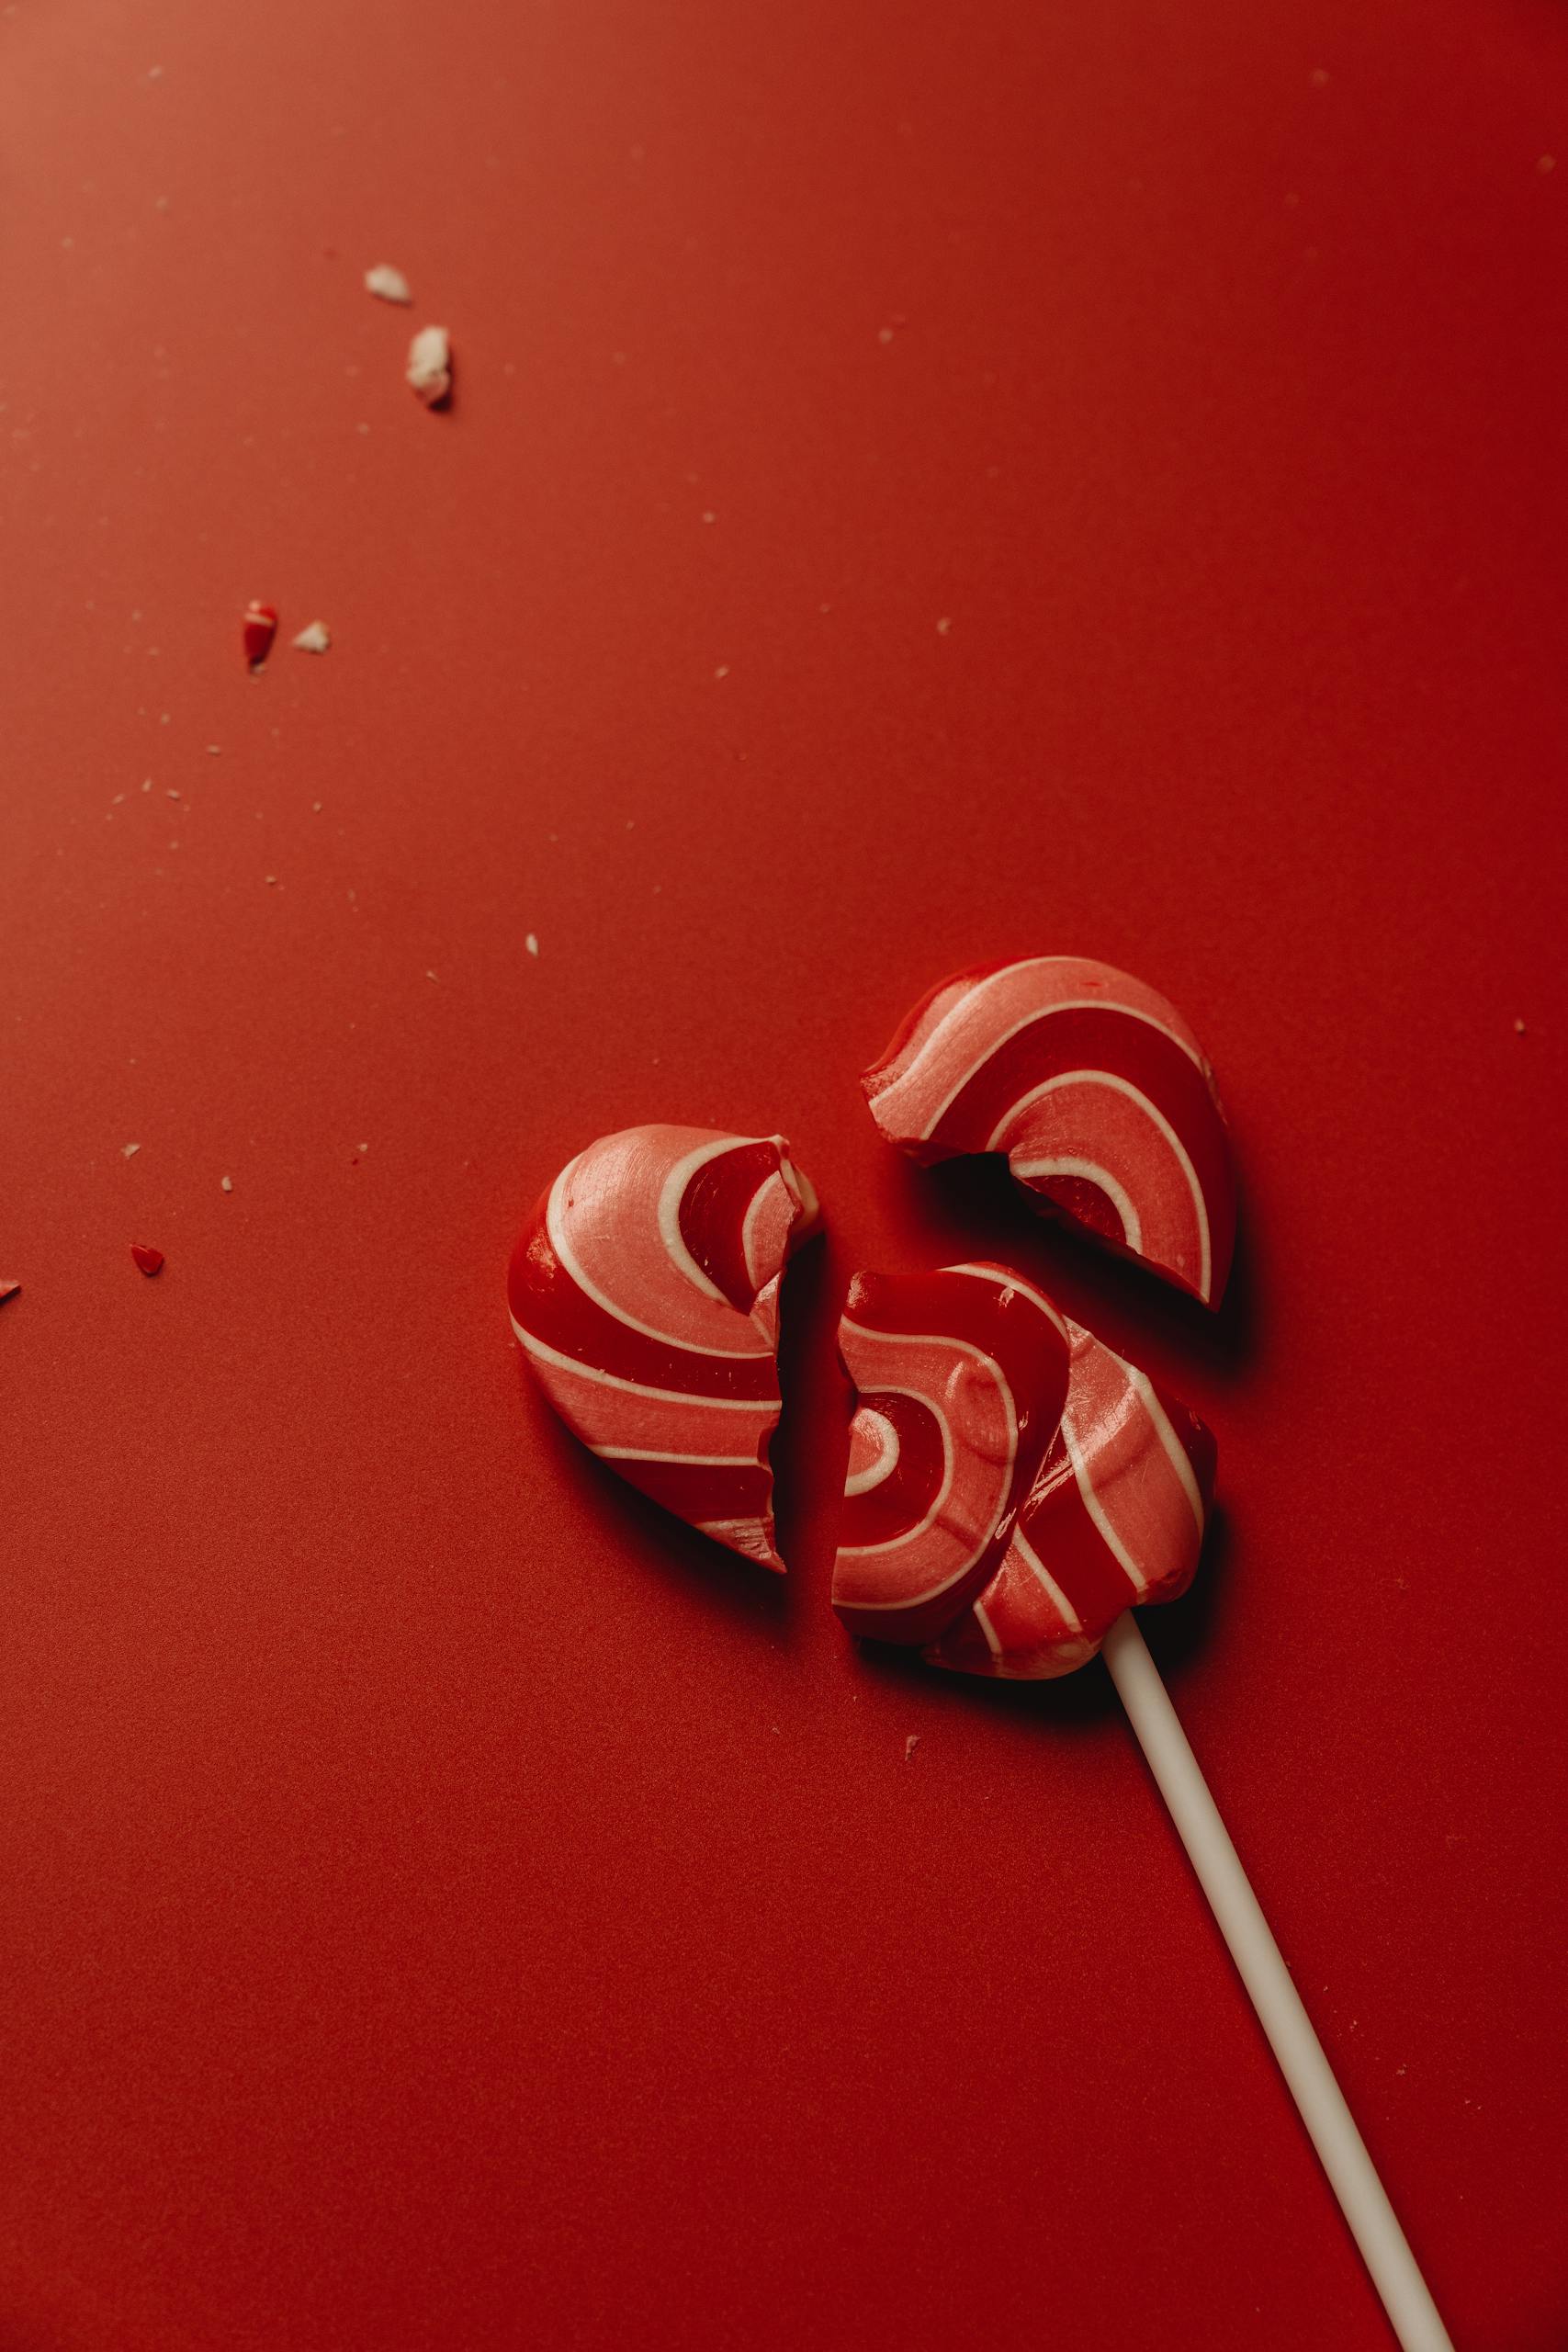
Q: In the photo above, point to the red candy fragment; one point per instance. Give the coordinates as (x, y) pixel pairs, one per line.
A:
(146, 1257)
(8, 1290)
(1096, 1090)
(960, 1379)
(1114, 1519)
(258, 629)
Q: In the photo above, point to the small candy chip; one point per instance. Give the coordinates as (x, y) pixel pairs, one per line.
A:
(314, 638)
(8, 1290)
(148, 1259)
(430, 366)
(388, 285)
(258, 629)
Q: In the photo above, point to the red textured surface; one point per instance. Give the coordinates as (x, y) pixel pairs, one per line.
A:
(443, 1904)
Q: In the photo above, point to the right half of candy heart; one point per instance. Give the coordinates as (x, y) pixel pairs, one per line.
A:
(1096, 1092)
(1115, 1518)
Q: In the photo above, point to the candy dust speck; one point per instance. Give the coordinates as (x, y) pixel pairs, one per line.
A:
(942, 626)
(531, 944)
(314, 638)
(128, 1151)
(226, 1183)
(429, 370)
(148, 1260)
(388, 285)
(910, 1745)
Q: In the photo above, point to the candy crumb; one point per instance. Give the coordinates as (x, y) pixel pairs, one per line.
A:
(531, 944)
(314, 638)
(1518, 1028)
(8, 1290)
(128, 1151)
(429, 370)
(942, 626)
(257, 630)
(226, 1183)
(388, 285)
(910, 1745)
(147, 1259)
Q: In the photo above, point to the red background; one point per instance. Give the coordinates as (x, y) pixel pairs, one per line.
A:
(443, 1903)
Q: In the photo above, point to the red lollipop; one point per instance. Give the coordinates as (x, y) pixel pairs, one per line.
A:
(1096, 1090)
(645, 1290)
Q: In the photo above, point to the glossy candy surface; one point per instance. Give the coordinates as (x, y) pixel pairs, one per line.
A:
(644, 1289)
(960, 1377)
(1095, 1089)
(1115, 1518)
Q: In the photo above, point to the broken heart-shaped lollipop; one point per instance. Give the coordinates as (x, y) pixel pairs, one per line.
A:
(645, 1290)
(1094, 1088)
(1114, 1519)
(960, 1379)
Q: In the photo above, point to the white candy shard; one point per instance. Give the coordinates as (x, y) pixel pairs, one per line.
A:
(388, 285)
(430, 365)
(314, 638)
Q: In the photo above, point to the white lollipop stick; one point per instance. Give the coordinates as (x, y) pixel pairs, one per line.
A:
(1362, 2198)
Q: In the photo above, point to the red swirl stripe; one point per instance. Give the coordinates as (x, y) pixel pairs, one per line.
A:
(1096, 1090)
(644, 1289)
(961, 1376)
(1114, 1519)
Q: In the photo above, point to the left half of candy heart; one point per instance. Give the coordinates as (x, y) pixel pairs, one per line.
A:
(645, 1290)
